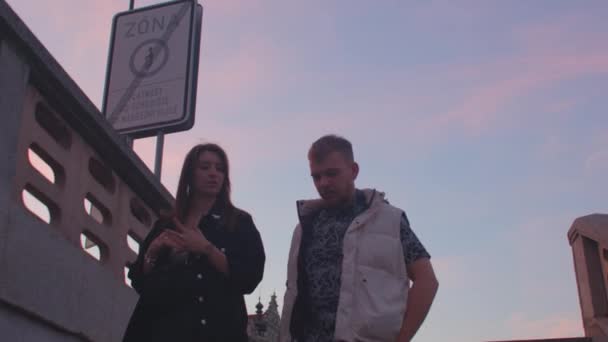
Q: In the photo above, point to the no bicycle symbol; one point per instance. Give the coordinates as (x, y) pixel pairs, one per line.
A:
(149, 58)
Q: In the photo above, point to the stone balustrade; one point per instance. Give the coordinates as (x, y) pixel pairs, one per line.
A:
(75, 201)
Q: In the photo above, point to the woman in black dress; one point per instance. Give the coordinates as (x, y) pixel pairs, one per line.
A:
(195, 266)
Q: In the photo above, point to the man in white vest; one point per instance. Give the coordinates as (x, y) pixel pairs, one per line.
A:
(352, 259)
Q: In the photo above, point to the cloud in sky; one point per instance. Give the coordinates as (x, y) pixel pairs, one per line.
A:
(255, 64)
(523, 326)
(428, 93)
(596, 162)
(454, 273)
(509, 80)
(251, 68)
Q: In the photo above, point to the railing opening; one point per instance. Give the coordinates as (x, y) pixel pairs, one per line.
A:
(53, 126)
(96, 210)
(36, 206)
(92, 245)
(39, 204)
(139, 211)
(127, 280)
(102, 174)
(133, 243)
(40, 165)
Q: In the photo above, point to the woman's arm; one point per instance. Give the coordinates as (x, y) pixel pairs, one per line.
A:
(193, 240)
(243, 264)
(246, 260)
(157, 244)
(138, 268)
(217, 259)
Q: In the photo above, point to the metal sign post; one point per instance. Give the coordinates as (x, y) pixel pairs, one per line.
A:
(158, 159)
(153, 71)
(130, 141)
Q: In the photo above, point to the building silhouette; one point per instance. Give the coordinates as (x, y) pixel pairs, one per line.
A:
(263, 326)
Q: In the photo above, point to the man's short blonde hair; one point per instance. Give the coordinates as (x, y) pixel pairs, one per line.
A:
(320, 149)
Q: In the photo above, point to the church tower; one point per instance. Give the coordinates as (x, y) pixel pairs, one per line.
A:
(263, 326)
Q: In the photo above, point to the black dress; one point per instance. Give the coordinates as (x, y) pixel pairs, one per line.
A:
(185, 298)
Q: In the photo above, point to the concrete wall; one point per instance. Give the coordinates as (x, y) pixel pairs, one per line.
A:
(18, 326)
(51, 289)
(588, 237)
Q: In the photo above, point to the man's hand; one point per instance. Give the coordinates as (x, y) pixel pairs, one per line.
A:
(420, 297)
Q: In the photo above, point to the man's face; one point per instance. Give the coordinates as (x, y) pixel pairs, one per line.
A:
(334, 177)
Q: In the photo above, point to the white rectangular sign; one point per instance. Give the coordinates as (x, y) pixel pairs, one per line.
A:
(152, 68)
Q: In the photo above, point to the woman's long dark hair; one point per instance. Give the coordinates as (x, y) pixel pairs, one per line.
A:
(184, 187)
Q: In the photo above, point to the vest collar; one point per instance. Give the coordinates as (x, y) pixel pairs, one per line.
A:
(308, 208)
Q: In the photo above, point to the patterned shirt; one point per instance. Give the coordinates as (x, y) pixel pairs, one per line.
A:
(323, 263)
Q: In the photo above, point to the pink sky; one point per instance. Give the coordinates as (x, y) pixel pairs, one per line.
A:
(485, 121)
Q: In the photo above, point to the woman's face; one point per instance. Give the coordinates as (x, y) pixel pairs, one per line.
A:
(208, 175)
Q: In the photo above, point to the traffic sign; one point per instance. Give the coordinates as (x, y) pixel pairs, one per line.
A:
(153, 69)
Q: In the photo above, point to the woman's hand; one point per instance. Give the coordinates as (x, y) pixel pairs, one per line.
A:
(190, 238)
(164, 240)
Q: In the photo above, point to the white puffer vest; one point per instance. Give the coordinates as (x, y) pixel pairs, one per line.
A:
(374, 281)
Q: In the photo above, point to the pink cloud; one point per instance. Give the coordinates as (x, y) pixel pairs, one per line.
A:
(597, 161)
(539, 247)
(539, 60)
(574, 27)
(79, 42)
(239, 75)
(249, 143)
(510, 81)
(560, 106)
(173, 157)
(523, 326)
(482, 94)
(554, 147)
(438, 13)
(540, 233)
(231, 7)
(247, 146)
(453, 273)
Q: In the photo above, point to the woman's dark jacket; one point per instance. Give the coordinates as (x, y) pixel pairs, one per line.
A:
(187, 299)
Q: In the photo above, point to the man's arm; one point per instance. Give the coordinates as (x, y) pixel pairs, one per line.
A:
(420, 297)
